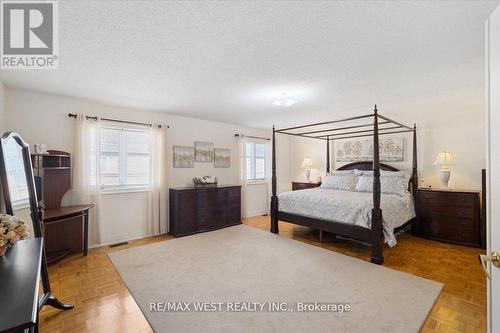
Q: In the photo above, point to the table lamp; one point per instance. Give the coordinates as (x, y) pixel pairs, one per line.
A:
(307, 164)
(444, 159)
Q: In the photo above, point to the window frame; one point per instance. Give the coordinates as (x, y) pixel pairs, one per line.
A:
(253, 157)
(122, 186)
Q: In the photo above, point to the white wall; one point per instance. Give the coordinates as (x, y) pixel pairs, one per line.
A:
(311, 148)
(43, 118)
(457, 129)
(2, 108)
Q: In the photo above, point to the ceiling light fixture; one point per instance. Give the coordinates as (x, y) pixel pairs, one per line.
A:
(284, 100)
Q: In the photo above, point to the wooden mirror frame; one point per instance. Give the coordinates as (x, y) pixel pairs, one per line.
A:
(36, 212)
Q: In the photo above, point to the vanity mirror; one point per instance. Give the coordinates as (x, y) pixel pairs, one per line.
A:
(19, 194)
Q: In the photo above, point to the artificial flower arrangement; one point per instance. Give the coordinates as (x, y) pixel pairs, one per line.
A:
(11, 230)
(205, 181)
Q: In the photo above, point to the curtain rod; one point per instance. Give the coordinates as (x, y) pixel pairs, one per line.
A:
(252, 137)
(72, 115)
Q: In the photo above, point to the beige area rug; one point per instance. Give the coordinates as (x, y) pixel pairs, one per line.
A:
(242, 264)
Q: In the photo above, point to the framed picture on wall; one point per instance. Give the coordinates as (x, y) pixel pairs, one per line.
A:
(183, 157)
(204, 151)
(391, 150)
(222, 158)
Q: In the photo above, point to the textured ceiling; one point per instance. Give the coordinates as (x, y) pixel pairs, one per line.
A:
(227, 61)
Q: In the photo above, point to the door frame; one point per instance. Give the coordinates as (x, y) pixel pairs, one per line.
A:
(488, 166)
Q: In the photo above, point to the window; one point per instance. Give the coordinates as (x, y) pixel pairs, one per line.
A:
(255, 161)
(124, 157)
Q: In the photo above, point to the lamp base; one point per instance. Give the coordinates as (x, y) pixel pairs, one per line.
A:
(308, 175)
(444, 175)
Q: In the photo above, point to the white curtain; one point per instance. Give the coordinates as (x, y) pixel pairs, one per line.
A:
(242, 140)
(241, 159)
(157, 192)
(269, 157)
(85, 171)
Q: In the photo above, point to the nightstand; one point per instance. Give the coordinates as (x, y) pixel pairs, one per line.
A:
(303, 185)
(449, 215)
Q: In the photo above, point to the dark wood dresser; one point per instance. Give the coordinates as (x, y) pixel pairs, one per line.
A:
(449, 216)
(194, 210)
(303, 185)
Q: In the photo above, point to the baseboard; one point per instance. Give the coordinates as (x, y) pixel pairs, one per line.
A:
(256, 213)
(123, 238)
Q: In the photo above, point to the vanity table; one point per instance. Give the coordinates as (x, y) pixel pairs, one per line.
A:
(25, 263)
(19, 283)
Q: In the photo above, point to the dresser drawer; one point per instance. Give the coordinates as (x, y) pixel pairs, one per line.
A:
(234, 196)
(443, 198)
(448, 228)
(206, 199)
(233, 216)
(454, 211)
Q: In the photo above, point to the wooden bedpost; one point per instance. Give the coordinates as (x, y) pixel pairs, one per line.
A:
(327, 154)
(274, 198)
(377, 234)
(414, 173)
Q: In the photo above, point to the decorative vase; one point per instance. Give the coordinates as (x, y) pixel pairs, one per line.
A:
(2, 250)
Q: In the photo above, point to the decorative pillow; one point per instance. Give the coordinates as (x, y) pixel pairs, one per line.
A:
(345, 182)
(388, 184)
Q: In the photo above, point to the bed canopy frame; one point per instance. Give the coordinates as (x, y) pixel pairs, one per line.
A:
(380, 125)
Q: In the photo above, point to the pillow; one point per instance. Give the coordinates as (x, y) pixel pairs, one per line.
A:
(340, 172)
(388, 184)
(344, 182)
(360, 173)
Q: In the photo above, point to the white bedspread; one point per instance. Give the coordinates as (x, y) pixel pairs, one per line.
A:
(349, 207)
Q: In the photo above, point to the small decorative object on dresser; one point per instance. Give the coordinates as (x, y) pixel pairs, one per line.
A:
(11, 231)
(449, 215)
(444, 159)
(205, 181)
(307, 164)
(302, 186)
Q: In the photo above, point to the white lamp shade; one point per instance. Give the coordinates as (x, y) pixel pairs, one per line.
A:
(306, 163)
(444, 158)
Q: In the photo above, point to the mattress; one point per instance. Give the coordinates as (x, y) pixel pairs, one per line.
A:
(350, 208)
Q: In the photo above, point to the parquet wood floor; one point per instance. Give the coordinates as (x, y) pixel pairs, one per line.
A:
(103, 303)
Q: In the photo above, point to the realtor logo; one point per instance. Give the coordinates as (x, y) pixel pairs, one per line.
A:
(29, 35)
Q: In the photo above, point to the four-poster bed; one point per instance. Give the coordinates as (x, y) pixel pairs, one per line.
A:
(374, 234)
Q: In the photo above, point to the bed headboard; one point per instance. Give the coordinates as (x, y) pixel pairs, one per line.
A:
(366, 165)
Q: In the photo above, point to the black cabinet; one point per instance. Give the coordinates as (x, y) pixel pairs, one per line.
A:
(194, 210)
